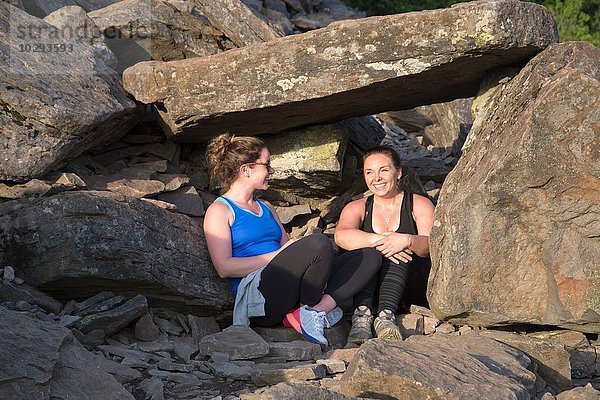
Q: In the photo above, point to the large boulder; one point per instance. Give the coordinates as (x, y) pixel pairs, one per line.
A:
(44, 361)
(41, 8)
(309, 162)
(451, 123)
(515, 236)
(238, 22)
(365, 132)
(77, 20)
(54, 103)
(141, 30)
(76, 244)
(90, 5)
(351, 68)
(439, 367)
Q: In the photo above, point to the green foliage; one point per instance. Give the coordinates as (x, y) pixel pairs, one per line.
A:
(576, 19)
(574, 23)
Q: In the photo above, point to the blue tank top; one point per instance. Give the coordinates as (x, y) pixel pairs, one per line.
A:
(251, 234)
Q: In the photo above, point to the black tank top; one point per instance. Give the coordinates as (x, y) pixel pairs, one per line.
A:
(416, 289)
(407, 222)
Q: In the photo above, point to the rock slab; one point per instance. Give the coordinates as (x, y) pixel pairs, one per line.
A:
(348, 69)
(439, 367)
(46, 362)
(55, 103)
(515, 232)
(74, 244)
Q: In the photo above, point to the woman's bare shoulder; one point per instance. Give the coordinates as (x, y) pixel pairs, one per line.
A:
(422, 200)
(218, 208)
(358, 204)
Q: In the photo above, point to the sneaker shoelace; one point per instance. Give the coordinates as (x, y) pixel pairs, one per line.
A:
(387, 316)
(362, 321)
(321, 320)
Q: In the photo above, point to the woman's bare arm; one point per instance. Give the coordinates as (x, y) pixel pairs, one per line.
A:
(217, 232)
(348, 234)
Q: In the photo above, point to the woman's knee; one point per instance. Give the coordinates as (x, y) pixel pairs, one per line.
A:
(371, 257)
(318, 243)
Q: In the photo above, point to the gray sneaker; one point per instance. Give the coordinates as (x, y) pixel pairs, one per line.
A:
(385, 326)
(310, 323)
(333, 317)
(362, 320)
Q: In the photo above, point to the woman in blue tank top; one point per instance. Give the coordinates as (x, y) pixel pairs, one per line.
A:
(274, 279)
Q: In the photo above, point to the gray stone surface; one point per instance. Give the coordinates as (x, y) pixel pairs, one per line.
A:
(365, 132)
(308, 162)
(77, 104)
(334, 73)
(583, 356)
(145, 329)
(24, 292)
(102, 240)
(440, 367)
(531, 159)
(332, 366)
(229, 370)
(294, 391)
(237, 341)
(287, 214)
(115, 319)
(103, 306)
(120, 372)
(450, 125)
(202, 326)
(40, 8)
(95, 299)
(184, 347)
(153, 388)
(345, 355)
(74, 19)
(8, 274)
(410, 324)
(186, 199)
(337, 335)
(586, 392)
(237, 21)
(47, 362)
(554, 364)
(142, 30)
(298, 350)
(32, 188)
(174, 367)
(277, 333)
(272, 374)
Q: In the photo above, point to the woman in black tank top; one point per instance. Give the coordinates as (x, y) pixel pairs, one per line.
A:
(396, 223)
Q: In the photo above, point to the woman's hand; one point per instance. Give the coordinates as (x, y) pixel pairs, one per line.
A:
(395, 247)
(404, 256)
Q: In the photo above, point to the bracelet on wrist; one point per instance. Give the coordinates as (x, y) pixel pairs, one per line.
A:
(409, 241)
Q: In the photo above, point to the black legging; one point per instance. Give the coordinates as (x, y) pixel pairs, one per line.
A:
(394, 291)
(306, 269)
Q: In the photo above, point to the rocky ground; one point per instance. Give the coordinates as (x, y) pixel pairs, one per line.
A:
(107, 286)
(160, 354)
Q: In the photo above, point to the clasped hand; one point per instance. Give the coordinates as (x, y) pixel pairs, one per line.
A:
(394, 246)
